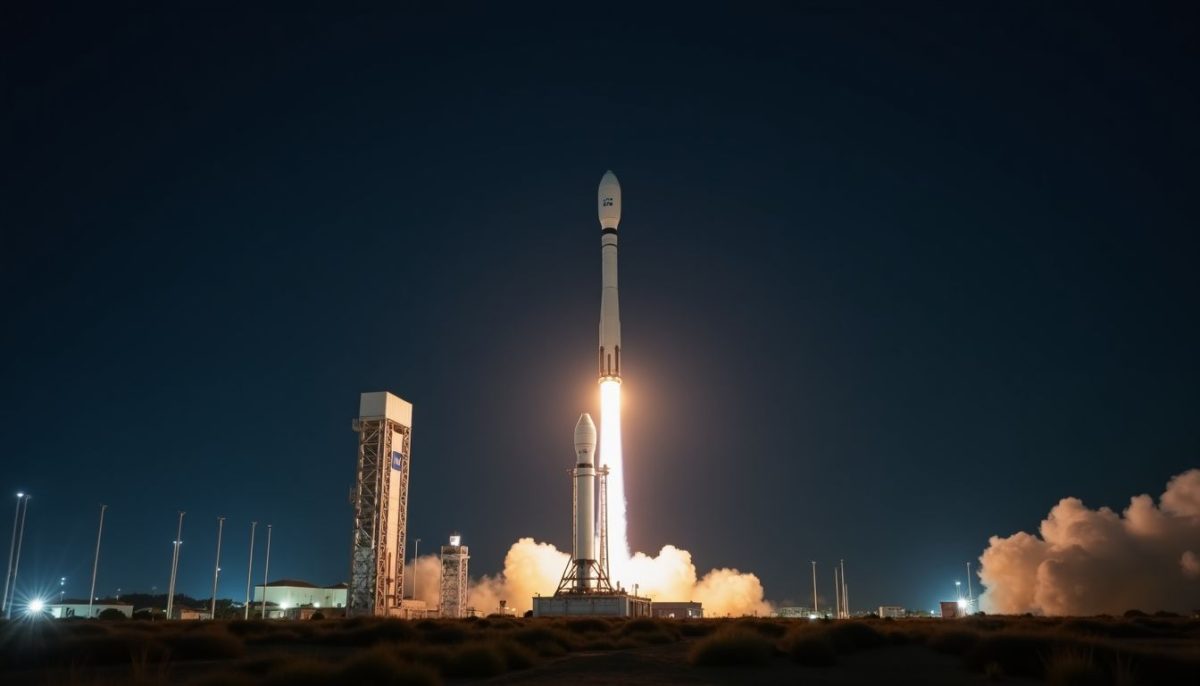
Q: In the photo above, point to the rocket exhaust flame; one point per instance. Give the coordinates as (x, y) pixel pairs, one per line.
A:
(610, 456)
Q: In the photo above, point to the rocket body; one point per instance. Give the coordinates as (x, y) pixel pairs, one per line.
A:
(585, 500)
(608, 206)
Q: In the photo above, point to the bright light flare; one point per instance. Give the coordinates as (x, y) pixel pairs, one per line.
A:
(36, 606)
(610, 456)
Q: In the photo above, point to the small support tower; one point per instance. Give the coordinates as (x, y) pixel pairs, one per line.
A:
(454, 578)
(380, 499)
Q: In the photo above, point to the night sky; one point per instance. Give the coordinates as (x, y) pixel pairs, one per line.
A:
(893, 279)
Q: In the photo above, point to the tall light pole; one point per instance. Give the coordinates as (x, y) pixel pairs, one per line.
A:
(266, 570)
(96, 560)
(970, 590)
(212, 613)
(837, 594)
(845, 610)
(174, 566)
(814, 564)
(416, 555)
(17, 563)
(249, 572)
(12, 549)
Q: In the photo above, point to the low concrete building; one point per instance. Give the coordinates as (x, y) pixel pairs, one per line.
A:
(677, 610)
(891, 611)
(192, 613)
(591, 605)
(79, 608)
(286, 594)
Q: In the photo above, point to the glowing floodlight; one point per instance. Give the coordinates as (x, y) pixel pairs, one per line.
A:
(36, 606)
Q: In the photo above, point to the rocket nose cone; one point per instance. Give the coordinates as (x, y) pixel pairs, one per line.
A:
(608, 201)
(585, 432)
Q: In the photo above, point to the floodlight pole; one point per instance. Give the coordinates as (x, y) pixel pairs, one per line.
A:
(837, 594)
(845, 609)
(12, 549)
(212, 613)
(174, 566)
(266, 571)
(250, 572)
(970, 590)
(96, 560)
(416, 555)
(16, 564)
(814, 568)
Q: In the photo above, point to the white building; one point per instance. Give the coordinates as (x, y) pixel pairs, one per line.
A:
(80, 609)
(289, 593)
(892, 611)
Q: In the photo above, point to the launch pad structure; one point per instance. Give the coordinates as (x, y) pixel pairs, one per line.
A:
(586, 589)
(380, 500)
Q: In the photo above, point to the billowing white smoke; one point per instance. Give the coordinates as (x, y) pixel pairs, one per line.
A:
(1099, 562)
(532, 568)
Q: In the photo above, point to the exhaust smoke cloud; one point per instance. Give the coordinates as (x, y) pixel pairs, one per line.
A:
(1086, 562)
(533, 568)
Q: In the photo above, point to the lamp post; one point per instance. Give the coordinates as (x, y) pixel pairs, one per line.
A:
(212, 613)
(250, 572)
(814, 567)
(12, 549)
(174, 566)
(970, 590)
(96, 561)
(416, 554)
(23, 510)
(266, 570)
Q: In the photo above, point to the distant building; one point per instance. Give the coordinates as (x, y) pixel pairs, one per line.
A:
(191, 613)
(795, 612)
(285, 594)
(79, 608)
(950, 609)
(677, 610)
(891, 612)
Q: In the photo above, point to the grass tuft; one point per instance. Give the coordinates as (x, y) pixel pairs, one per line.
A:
(476, 661)
(733, 647)
(810, 647)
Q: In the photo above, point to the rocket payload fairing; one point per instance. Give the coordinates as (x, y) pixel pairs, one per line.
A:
(608, 206)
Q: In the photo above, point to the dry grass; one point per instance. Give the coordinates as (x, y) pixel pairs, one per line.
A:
(1141, 649)
(733, 646)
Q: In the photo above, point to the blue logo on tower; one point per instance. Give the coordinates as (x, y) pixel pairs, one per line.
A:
(397, 460)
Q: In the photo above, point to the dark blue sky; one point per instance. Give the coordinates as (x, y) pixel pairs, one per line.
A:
(893, 279)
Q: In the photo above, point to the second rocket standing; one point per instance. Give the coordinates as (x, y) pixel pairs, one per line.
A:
(608, 203)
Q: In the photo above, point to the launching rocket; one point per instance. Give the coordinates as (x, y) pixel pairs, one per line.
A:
(608, 207)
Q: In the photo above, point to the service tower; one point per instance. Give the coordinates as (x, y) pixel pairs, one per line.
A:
(454, 578)
(380, 499)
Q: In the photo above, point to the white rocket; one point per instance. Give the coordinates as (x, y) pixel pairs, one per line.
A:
(608, 206)
(585, 502)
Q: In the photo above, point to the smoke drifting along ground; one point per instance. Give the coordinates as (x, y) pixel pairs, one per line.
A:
(1089, 561)
(531, 568)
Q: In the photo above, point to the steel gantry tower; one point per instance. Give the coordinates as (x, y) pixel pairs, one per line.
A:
(380, 499)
